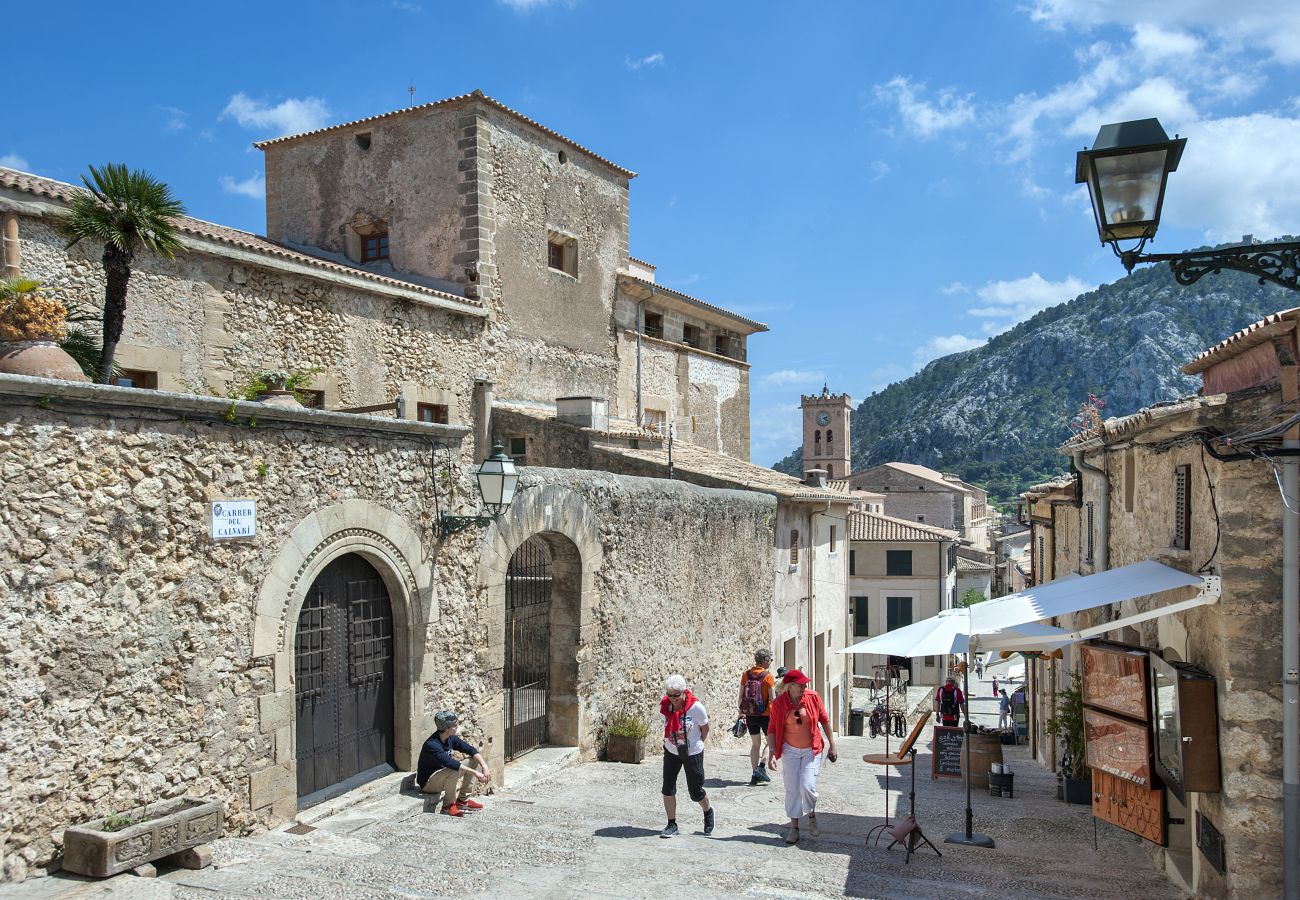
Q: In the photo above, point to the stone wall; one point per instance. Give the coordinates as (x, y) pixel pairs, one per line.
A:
(1238, 640)
(142, 660)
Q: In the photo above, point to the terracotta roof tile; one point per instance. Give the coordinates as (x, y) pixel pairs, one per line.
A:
(654, 286)
(1250, 336)
(452, 101)
(58, 190)
(865, 526)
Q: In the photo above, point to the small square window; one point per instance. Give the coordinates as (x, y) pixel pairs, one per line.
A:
(137, 378)
(562, 254)
(432, 412)
(654, 324)
(655, 420)
(374, 247)
(518, 449)
(721, 345)
(311, 399)
(898, 562)
(691, 336)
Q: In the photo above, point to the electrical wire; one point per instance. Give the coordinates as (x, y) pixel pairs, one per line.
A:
(1286, 501)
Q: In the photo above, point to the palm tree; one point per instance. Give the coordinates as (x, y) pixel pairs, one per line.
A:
(127, 210)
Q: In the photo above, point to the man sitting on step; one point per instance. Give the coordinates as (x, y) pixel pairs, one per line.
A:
(439, 771)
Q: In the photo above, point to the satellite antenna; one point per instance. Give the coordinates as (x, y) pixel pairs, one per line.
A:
(411, 90)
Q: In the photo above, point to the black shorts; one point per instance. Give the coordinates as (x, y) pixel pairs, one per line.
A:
(756, 724)
(694, 767)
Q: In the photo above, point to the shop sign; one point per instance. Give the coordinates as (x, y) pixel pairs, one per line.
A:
(233, 519)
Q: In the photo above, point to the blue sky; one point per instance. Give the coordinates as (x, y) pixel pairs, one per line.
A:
(882, 183)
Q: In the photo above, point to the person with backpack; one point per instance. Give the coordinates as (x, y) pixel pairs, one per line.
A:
(756, 684)
(949, 703)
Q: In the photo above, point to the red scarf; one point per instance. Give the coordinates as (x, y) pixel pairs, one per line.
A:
(674, 718)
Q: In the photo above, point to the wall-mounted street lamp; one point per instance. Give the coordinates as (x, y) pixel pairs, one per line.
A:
(497, 480)
(1126, 171)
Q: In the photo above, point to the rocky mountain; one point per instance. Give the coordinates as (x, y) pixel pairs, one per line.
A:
(996, 414)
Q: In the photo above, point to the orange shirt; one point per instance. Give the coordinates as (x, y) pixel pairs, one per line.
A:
(765, 685)
(798, 729)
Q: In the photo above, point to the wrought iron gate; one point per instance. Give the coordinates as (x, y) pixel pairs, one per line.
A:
(344, 668)
(528, 647)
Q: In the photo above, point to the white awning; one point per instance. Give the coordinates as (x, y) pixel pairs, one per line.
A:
(1071, 595)
(948, 632)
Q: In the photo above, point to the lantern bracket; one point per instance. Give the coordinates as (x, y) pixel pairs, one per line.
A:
(1278, 263)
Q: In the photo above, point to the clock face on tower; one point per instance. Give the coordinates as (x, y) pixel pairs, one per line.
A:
(823, 419)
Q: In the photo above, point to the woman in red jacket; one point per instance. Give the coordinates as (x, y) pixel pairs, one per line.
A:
(796, 721)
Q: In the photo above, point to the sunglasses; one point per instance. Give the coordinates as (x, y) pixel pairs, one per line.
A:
(672, 696)
(798, 716)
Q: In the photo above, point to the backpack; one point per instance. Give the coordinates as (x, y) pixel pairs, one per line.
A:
(948, 703)
(751, 699)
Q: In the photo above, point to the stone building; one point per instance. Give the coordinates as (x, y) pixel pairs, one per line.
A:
(458, 263)
(900, 572)
(1154, 486)
(826, 433)
(923, 495)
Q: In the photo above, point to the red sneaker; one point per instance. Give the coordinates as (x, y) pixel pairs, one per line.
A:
(453, 810)
(469, 804)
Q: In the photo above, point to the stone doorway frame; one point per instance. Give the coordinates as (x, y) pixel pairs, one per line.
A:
(560, 517)
(390, 544)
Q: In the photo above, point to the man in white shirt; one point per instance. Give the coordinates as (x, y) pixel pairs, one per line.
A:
(686, 725)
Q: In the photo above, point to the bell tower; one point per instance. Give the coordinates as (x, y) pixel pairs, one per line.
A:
(826, 432)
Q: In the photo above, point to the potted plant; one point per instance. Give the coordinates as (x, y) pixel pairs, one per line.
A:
(126, 840)
(31, 326)
(1075, 784)
(625, 737)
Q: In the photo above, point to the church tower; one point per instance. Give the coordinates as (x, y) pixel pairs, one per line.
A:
(826, 432)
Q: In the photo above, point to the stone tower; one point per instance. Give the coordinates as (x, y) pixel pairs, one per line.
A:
(826, 432)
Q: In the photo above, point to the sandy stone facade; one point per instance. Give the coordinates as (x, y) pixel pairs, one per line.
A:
(154, 661)
(1232, 530)
(145, 659)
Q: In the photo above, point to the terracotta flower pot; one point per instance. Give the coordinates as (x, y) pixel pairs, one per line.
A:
(40, 359)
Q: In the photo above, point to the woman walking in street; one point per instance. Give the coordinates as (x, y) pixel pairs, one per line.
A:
(795, 727)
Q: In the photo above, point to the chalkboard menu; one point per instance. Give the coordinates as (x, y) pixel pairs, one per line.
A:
(945, 759)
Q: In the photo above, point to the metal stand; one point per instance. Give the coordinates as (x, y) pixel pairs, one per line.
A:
(908, 833)
(968, 838)
(884, 826)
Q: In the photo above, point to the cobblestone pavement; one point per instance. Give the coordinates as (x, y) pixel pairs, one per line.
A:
(592, 830)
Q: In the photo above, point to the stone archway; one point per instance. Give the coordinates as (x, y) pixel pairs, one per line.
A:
(388, 543)
(560, 519)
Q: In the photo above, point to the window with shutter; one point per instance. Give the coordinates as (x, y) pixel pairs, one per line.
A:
(1182, 507)
(794, 546)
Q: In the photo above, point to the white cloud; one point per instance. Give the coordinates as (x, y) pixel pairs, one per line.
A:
(791, 376)
(177, 119)
(14, 161)
(290, 116)
(1013, 301)
(1156, 43)
(650, 61)
(1238, 176)
(1156, 97)
(879, 169)
(955, 288)
(685, 281)
(254, 186)
(1275, 26)
(775, 430)
(526, 5)
(943, 345)
(923, 117)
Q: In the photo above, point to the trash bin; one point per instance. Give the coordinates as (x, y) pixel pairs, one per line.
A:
(855, 722)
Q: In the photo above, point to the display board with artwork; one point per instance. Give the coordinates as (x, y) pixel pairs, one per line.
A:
(1121, 748)
(1115, 679)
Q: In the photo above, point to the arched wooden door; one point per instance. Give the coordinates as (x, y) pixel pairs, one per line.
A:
(344, 690)
(526, 676)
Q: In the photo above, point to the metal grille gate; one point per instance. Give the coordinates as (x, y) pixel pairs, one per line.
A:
(528, 647)
(344, 677)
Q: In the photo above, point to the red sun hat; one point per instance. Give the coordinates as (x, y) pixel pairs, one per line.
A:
(794, 676)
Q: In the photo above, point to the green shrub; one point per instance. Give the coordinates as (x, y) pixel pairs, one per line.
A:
(626, 723)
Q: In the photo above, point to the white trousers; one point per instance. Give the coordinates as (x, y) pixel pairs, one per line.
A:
(800, 768)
